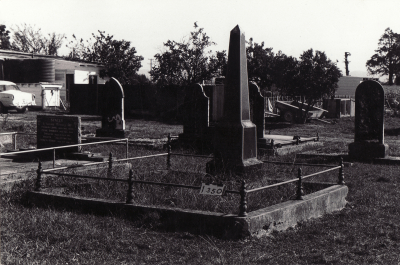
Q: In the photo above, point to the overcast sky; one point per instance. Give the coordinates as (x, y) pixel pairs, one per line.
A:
(334, 27)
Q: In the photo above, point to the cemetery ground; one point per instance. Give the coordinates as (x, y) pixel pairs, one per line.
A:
(365, 231)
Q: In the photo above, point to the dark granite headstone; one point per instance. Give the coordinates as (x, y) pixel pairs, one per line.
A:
(235, 141)
(369, 122)
(257, 109)
(112, 111)
(55, 130)
(196, 110)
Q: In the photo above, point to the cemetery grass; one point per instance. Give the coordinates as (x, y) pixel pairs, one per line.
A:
(366, 231)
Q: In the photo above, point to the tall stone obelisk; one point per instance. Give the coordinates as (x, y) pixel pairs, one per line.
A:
(235, 143)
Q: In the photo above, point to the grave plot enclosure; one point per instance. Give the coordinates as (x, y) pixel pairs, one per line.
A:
(165, 183)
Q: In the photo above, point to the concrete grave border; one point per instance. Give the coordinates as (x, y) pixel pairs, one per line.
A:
(278, 217)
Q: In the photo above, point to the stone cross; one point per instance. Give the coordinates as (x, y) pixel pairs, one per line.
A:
(235, 141)
(369, 122)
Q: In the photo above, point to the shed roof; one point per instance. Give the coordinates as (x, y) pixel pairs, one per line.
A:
(347, 85)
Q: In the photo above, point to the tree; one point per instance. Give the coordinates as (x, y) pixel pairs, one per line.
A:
(119, 58)
(27, 38)
(4, 38)
(312, 78)
(189, 61)
(386, 60)
(284, 72)
(260, 64)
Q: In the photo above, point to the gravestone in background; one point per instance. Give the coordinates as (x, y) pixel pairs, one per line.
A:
(196, 116)
(235, 143)
(257, 109)
(55, 130)
(369, 122)
(112, 111)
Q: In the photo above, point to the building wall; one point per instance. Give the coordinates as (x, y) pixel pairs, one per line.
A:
(61, 69)
(347, 85)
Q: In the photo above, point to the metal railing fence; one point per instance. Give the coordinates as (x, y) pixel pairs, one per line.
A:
(242, 191)
(69, 146)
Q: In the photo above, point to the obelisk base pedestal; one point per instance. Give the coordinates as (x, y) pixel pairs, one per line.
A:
(235, 149)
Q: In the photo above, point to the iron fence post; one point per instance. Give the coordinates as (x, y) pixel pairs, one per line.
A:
(38, 184)
(169, 152)
(110, 165)
(126, 150)
(15, 141)
(299, 194)
(54, 157)
(243, 200)
(341, 174)
(129, 196)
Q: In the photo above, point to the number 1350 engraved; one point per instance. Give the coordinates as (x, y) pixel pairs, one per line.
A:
(212, 189)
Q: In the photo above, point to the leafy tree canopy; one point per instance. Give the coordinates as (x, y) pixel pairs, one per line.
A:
(27, 38)
(313, 77)
(189, 61)
(4, 38)
(386, 60)
(260, 62)
(119, 58)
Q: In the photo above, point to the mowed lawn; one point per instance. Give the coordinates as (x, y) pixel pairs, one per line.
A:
(366, 231)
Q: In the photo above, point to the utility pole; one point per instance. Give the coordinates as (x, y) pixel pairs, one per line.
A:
(346, 62)
(151, 66)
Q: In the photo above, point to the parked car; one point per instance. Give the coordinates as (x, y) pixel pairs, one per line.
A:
(11, 97)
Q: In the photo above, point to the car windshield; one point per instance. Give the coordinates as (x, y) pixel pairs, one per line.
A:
(8, 87)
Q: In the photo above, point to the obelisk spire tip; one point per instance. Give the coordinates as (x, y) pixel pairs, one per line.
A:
(236, 29)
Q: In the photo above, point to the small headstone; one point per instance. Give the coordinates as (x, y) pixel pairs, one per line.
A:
(369, 122)
(196, 110)
(113, 120)
(257, 109)
(55, 130)
(235, 141)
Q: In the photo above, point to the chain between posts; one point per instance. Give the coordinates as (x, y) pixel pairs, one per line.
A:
(129, 197)
(243, 200)
(299, 193)
(169, 152)
(38, 184)
(341, 174)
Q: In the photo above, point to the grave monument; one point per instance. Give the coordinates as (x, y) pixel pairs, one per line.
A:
(56, 130)
(112, 111)
(369, 123)
(196, 115)
(235, 142)
(257, 109)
